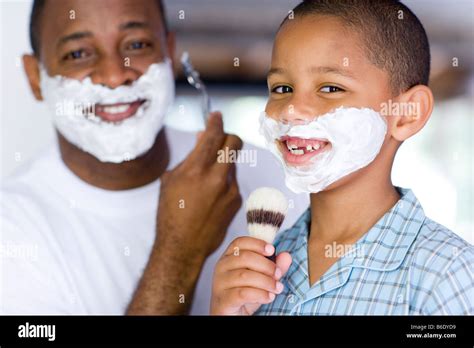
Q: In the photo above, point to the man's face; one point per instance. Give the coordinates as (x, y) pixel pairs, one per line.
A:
(111, 41)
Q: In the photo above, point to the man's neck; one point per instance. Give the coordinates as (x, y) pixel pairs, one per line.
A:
(344, 214)
(117, 176)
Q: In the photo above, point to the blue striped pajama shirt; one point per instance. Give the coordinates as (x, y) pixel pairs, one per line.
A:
(406, 264)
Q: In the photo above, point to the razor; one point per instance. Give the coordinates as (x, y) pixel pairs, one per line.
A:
(194, 80)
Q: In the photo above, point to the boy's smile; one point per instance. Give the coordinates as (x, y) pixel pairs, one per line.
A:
(297, 151)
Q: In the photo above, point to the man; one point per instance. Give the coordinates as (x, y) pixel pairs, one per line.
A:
(123, 215)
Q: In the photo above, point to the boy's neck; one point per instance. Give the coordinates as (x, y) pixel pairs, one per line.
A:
(346, 213)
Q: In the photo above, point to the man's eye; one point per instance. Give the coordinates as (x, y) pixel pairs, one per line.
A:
(282, 89)
(138, 45)
(78, 54)
(331, 89)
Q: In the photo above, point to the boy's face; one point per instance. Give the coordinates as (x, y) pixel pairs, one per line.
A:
(319, 65)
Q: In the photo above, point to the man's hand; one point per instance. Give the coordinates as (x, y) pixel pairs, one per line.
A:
(198, 200)
(244, 278)
(200, 197)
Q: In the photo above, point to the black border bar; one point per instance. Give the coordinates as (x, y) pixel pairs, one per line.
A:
(351, 330)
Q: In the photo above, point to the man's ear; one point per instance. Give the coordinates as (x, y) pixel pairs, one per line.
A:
(171, 46)
(31, 66)
(411, 112)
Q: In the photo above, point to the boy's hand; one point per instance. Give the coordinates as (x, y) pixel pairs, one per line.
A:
(244, 278)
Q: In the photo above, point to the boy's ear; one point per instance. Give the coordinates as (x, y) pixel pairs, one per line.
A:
(414, 110)
(31, 67)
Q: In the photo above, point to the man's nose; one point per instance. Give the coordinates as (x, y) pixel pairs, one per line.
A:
(114, 72)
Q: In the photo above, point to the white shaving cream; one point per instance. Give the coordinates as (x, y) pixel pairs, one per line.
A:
(355, 136)
(72, 103)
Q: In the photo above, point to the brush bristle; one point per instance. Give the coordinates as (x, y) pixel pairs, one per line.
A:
(267, 198)
(261, 216)
(266, 209)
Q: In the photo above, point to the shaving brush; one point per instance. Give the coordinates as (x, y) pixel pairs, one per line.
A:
(266, 209)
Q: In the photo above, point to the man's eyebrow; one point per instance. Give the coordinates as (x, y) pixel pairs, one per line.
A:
(133, 25)
(85, 34)
(74, 36)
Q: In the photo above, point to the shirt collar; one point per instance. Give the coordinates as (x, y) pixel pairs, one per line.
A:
(384, 246)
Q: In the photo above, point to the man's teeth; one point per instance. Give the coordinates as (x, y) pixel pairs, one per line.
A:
(116, 109)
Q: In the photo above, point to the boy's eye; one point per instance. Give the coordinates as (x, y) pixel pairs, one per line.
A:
(282, 89)
(73, 55)
(331, 89)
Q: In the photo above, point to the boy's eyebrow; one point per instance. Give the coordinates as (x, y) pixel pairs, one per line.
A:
(318, 70)
(273, 71)
(331, 70)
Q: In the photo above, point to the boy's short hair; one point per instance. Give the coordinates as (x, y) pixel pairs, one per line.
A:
(394, 37)
(35, 16)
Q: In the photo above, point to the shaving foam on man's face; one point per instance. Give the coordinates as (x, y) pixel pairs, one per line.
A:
(323, 150)
(113, 125)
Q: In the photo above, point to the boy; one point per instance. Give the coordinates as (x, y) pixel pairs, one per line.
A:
(344, 62)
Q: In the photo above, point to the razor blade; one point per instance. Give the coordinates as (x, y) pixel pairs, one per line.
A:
(194, 80)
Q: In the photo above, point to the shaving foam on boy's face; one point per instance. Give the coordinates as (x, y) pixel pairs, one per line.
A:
(113, 125)
(325, 149)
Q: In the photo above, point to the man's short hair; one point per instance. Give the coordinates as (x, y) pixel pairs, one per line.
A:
(393, 36)
(35, 22)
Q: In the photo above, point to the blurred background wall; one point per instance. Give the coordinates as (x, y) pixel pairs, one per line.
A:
(230, 44)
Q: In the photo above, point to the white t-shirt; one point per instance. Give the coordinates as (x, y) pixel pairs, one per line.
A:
(67, 247)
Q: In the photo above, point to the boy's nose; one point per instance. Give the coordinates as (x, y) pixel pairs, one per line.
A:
(297, 113)
(112, 72)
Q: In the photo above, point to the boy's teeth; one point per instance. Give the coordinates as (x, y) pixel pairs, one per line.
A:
(300, 151)
(291, 147)
(297, 152)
